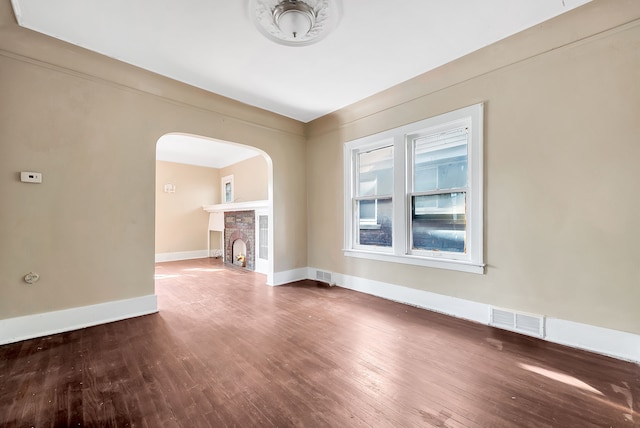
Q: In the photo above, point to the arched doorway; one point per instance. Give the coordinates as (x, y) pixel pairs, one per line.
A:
(198, 176)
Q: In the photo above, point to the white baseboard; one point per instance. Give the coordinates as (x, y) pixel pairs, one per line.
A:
(612, 343)
(448, 305)
(182, 255)
(288, 276)
(38, 325)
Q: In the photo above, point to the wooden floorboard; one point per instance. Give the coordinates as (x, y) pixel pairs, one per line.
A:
(226, 350)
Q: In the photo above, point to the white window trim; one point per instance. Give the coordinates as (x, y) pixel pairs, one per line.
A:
(399, 137)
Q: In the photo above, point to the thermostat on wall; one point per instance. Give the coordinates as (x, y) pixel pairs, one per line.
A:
(31, 177)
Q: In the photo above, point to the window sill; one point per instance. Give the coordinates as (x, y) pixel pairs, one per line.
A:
(417, 261)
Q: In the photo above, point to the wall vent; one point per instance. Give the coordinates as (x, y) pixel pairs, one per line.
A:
(324, 277)
(531, 325)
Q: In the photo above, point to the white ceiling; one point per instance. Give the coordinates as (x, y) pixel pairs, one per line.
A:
(213, 44)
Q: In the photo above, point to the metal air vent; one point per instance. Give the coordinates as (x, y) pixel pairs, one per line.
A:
(531, 325)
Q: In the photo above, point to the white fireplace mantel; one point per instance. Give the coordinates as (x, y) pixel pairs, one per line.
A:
(236, 206)
(216, 217)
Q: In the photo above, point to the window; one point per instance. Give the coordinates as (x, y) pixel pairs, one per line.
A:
(414, 194)
(438, 191)
(373, 197)
(227, 189)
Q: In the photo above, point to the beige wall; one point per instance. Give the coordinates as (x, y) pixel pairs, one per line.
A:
(249, 179)
(562, 103)
(181, 223)
(90, 124)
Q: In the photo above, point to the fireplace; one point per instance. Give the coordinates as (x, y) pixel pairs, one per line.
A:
(239, 253)
(239, 238)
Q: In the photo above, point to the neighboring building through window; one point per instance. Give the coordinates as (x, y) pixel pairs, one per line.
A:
(414, 194)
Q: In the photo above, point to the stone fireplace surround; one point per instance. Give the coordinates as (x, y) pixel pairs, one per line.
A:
(240, 225)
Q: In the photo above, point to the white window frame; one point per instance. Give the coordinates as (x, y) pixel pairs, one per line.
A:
(401, 138)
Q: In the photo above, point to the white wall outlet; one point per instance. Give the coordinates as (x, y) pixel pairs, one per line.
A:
(31, 177)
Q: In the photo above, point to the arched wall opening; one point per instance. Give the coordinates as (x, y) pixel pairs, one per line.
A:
(198, 179)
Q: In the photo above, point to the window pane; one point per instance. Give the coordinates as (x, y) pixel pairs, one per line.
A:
(438, 222)
(227, 192)
(440, 161)
(368, 210)
(374, 222)
(426, 178)
(375, 172)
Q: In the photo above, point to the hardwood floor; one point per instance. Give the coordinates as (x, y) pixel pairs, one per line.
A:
(228, 351)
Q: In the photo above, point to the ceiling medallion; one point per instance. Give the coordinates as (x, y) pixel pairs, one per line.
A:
(295, 22)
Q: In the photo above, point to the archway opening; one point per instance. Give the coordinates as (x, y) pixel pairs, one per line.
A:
(199, 182)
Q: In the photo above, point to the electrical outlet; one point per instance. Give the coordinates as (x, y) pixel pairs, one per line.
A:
(31, 177)
(31, 277)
